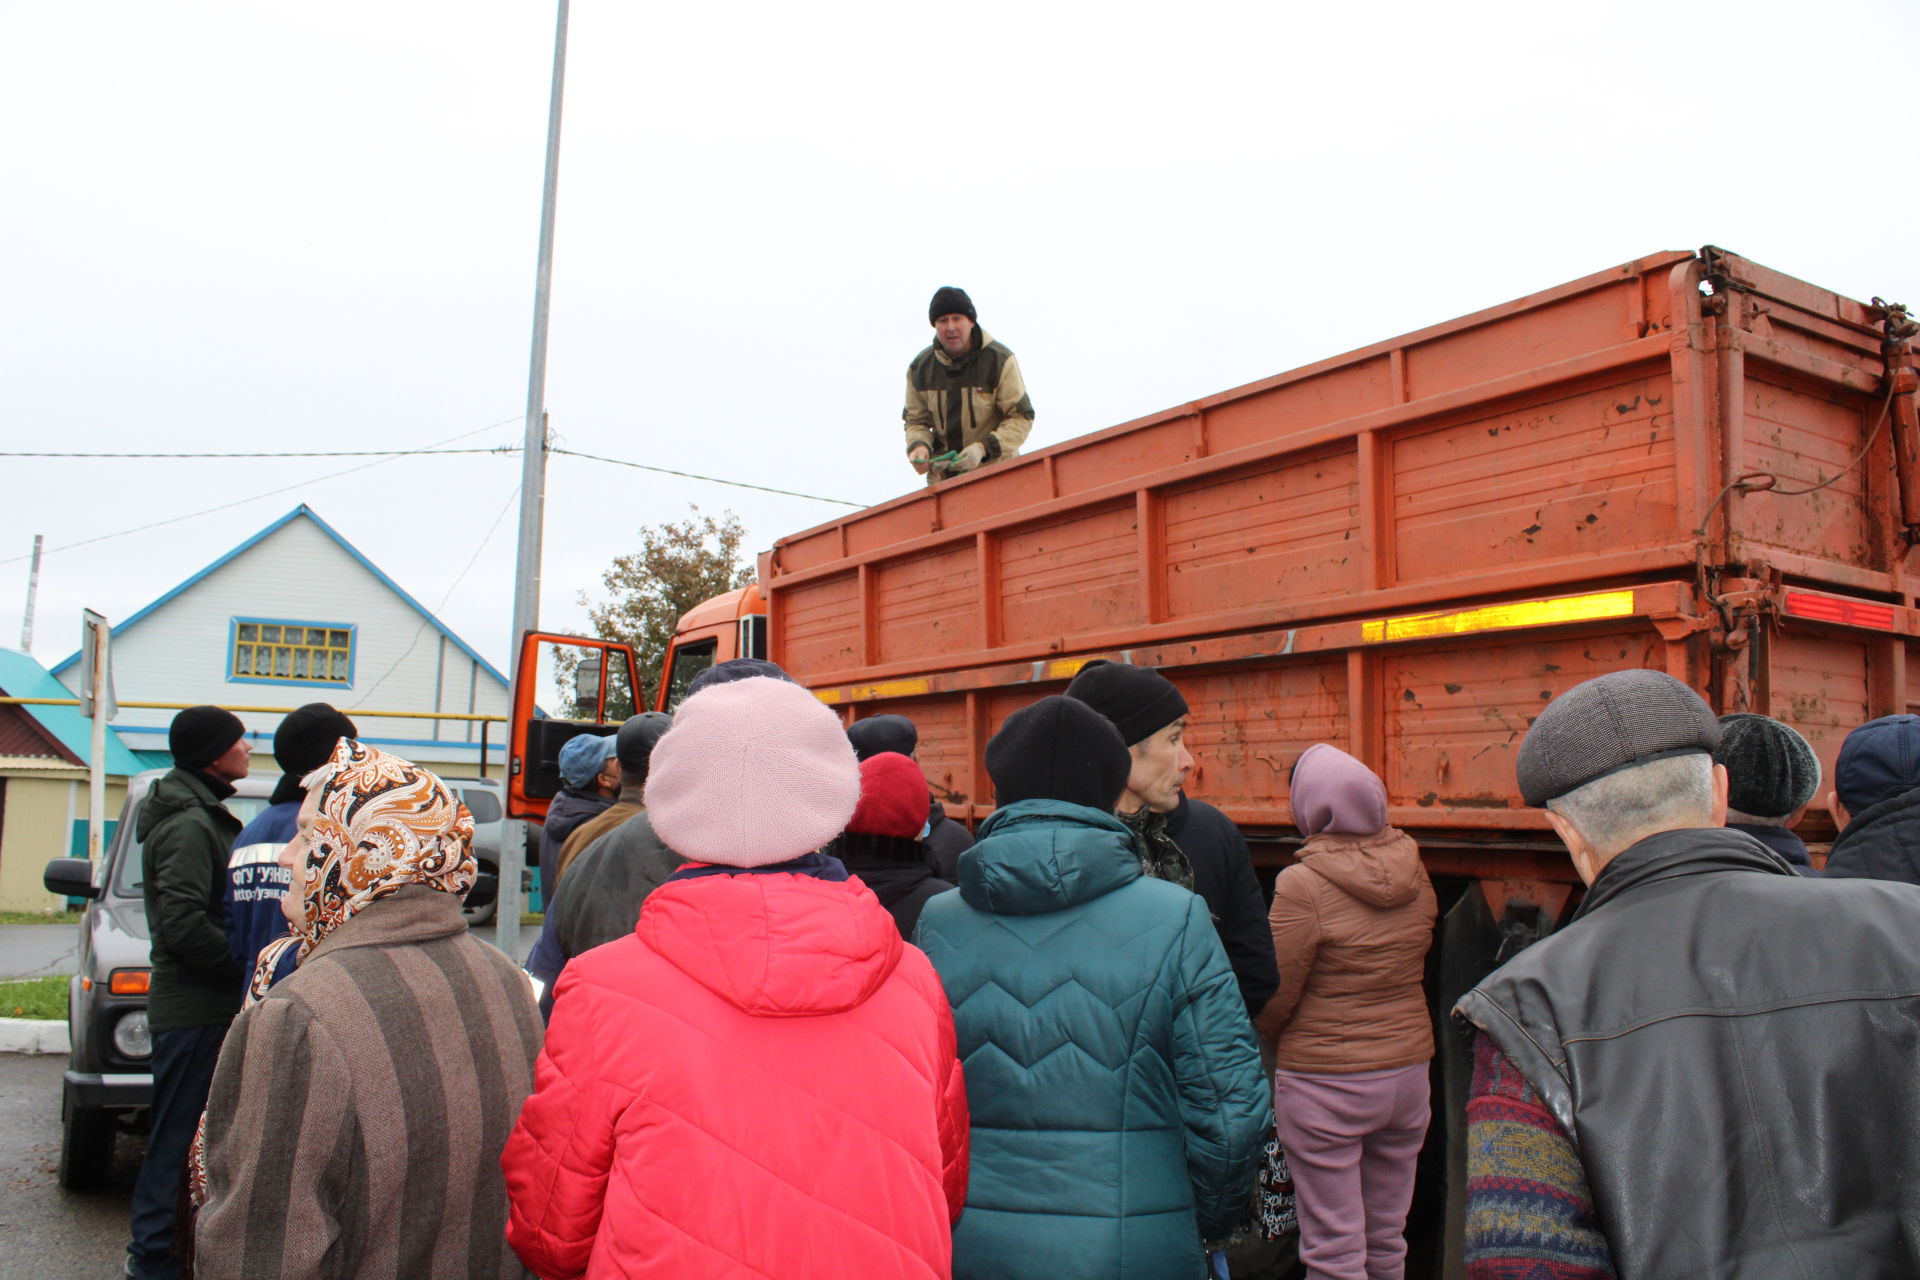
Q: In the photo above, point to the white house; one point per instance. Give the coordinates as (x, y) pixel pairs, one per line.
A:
(296, 614)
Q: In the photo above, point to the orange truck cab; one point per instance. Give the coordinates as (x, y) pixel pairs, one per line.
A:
(728, 626)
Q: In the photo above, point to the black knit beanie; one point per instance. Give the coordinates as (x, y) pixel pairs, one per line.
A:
(306, 738)
(950, 301)
(200, 735)
(1771, 769)
(878, 734)
(1058, 749)
(1139, 700)
(736, 669)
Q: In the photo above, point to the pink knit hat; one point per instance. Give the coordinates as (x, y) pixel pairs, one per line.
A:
(752, 773)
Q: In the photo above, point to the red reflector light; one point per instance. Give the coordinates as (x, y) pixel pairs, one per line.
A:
(1848, 613)
(129, 982)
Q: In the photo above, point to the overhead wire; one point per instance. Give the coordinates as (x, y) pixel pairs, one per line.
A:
(689, 475)
(271, 493)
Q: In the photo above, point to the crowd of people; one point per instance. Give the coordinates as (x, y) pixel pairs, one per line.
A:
(781, 1022)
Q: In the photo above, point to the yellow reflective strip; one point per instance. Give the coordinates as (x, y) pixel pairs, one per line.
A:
(1066, 668)
(1499, 617)
(862, 692)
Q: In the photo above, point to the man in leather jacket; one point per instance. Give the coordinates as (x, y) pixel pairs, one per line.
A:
(1660, 1088)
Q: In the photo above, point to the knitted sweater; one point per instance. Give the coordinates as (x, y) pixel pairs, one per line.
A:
(1529, 1212)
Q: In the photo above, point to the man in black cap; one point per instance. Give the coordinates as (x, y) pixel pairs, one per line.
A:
(1661, 1088)
(609, 864)
(1184, 840)
(185, 834)
(256, 882)
(967, 404)
(945, 839)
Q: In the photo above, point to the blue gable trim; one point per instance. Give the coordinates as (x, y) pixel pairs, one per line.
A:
(304, 510)
(22, 677)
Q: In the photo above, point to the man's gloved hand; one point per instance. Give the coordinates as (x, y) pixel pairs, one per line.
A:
(918, 456)
(969, 458)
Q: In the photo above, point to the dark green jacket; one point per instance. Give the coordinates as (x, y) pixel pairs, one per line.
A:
(185, 836)
(1118, 1104)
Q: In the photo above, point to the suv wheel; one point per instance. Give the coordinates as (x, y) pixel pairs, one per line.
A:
(86, 1147)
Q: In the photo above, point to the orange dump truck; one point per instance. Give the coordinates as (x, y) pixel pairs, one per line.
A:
(1689, 462)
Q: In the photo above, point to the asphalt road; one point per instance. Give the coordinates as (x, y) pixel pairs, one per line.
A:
(46, 1232)
(30, 950)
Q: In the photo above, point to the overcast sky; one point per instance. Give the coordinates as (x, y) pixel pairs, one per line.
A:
(269, 226)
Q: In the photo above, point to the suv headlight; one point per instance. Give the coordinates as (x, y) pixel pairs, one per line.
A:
(130, 1034)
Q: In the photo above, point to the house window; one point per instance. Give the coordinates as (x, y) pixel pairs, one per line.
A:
(291, 652)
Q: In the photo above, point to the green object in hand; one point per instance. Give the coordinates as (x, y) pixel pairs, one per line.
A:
(942, 459)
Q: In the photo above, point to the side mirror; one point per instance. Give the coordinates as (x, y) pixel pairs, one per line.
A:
(70, 878)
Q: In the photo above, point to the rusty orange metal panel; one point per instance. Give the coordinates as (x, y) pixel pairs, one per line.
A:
(1550, 480)
(1249, 724)
(1557, 330)
(1296, 407)
(1819, 685)
(925, 606)
(1264, 536)
(1804, 438)
(1454, 716)
(816, 626)
(1072, 575)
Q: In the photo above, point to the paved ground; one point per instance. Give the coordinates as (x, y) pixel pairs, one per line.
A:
(49, 1232)
(30, 950)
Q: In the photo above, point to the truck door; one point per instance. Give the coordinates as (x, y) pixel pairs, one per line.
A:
(605, 679)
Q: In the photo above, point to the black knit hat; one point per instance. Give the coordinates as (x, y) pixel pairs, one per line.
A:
(950, 301)
(633, 744)
(1771, 769)
(200, 735)
(1058, 749)
(1610, 723)
(1139, 700)
(305, 739)
(736, 669)
(878, 734)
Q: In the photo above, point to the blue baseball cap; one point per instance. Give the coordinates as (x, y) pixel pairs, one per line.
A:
(583, 757)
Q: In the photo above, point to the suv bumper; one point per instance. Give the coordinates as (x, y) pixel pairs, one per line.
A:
(88, 1091)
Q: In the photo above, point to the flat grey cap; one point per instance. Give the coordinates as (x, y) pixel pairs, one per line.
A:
(1609, 723)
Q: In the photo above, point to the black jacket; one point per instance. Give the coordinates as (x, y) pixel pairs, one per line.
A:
(947, 840)
(886, 866)
(1782, 841)
(1881, 843)
(186, 835)
(1223, 875)
(1744, 1110)
(569, 809)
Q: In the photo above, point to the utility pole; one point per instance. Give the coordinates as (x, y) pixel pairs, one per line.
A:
(533, 483)
(33, 590)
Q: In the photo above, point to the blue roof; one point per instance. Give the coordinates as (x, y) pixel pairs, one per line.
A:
(23, 677)
(302, 510)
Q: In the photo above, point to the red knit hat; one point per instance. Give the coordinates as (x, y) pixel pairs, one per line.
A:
(893, 797)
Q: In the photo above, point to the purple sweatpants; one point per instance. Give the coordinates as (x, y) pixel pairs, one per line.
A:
(1351, 1143)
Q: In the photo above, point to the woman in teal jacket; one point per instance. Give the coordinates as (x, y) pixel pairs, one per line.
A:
(1118, 1103)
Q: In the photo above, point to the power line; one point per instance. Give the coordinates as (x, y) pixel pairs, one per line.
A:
(688, 475)
(271, 493)
(316, 453)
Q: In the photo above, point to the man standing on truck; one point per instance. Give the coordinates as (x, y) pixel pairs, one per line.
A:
(966, 402)
(185, 834)
(1660, 1089)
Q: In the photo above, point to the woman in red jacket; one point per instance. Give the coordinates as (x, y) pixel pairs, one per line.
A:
(761, 1079)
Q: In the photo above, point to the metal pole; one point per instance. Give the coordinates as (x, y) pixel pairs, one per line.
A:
(97, 756)
(33, 589)
(533, 482)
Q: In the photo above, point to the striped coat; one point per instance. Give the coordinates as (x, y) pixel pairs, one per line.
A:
(359, 1108)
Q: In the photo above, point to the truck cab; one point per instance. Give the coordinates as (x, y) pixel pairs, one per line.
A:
(733, 625)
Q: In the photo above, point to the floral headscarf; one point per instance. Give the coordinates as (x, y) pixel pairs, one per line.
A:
(381, 823)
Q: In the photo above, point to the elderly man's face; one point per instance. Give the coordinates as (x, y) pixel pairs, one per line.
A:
(1161, 763)
(955, 333)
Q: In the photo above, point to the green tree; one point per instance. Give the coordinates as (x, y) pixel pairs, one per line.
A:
(680, 563)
